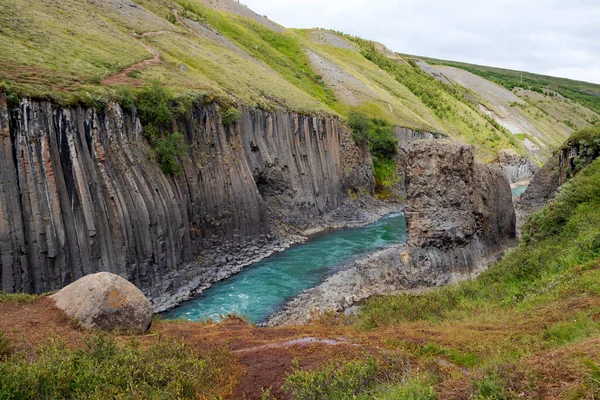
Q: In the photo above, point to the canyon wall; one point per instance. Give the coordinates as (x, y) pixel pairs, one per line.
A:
(80, 191)
(516, 168)
(460, 218)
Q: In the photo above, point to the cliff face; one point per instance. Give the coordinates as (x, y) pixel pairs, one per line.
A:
(516, 168)
(576, 153)
(80, 192)
(458, 211)
(460, 218)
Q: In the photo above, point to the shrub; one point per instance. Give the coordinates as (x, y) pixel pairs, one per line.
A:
(125, 99)
(335, 382)
(168, 149)
(230, 116)
(361, 129)
(383, 146)
(184, 104)
(104, 370)
(153, 107)
(171, 18)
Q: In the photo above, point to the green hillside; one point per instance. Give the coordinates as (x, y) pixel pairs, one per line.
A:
(93, 52)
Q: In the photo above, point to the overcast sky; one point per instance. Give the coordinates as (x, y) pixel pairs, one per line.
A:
(552, 37)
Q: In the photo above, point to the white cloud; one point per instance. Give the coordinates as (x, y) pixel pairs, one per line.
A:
(544, 36)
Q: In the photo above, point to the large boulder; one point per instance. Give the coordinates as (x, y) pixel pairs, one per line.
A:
(106, 301)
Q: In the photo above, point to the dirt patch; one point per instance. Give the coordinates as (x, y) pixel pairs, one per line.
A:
(122, 78)
(26, 326)
(331, 39)
(267, 354)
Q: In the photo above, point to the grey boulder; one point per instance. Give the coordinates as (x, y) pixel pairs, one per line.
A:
(105, 301)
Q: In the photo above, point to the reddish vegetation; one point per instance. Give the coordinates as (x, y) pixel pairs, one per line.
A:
(263, 352)
(266, 355)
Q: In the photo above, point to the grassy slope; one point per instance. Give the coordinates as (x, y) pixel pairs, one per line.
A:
(245, 62)
(585, 93)
(542, 298)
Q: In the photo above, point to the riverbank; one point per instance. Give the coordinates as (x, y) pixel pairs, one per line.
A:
(225, 259)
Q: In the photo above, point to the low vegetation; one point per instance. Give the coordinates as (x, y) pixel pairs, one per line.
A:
(230, 116)
(346, 381)
(105, 369)
(18, 298)
(379, 136)
(587, 142)
(450, 104)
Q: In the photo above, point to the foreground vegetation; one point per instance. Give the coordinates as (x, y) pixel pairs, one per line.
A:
(104, 369)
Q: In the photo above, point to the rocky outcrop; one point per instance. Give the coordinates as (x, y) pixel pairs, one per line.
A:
(516, 168)
(406, 137)
(460, 217)
(105, 301)
(80, 193)
(577, 152)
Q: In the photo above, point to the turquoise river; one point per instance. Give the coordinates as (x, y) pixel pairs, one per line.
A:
(264, 287)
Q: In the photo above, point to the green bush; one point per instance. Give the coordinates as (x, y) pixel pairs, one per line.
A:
(171, 18)
(4, 348)
(105, 370)
(383, 146)
(168, 149)
(334, 381)
(230, 116)
(361, 128)
(153, 104)
(126, 99)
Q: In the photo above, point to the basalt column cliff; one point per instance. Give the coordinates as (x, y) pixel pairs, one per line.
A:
(80, 192)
